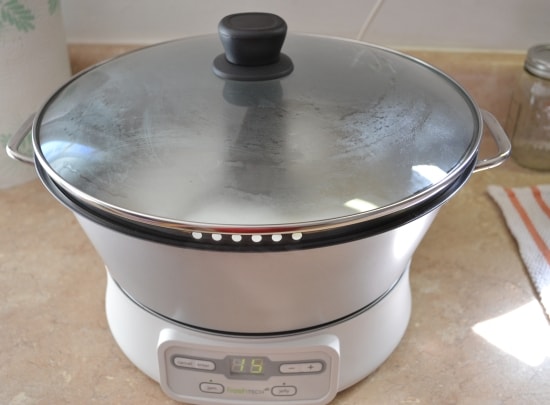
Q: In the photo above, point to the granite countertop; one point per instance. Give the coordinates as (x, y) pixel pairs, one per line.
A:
(56, 347)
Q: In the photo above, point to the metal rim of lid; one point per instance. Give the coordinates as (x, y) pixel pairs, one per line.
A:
(264, 239)
(537, 61)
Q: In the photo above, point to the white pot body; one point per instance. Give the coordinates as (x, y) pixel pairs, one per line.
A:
(263, 292)
(365, 341)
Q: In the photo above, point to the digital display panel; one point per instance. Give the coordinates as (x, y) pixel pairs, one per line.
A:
(240, 367)
(244, 365)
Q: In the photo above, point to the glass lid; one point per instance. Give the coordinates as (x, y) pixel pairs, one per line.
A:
(353, 132)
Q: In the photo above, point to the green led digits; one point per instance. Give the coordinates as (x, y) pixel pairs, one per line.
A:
(247, 365)
(257, 366)
(238, 365)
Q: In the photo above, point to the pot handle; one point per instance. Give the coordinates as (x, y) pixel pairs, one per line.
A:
(501, 139)
(12, 147)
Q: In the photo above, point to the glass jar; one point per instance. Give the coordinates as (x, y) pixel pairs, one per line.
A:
(529, 117)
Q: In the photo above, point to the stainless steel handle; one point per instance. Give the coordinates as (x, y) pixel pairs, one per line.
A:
(501, 139)
(12, 147)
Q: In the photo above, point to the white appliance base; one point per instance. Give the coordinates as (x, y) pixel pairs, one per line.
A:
(365, 340)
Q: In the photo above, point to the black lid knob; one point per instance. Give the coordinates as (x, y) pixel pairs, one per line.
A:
(252, 44)
(252, 39)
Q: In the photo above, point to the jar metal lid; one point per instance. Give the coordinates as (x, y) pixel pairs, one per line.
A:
(537, 61)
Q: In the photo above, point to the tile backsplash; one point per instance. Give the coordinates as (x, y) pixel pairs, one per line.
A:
(506, 25)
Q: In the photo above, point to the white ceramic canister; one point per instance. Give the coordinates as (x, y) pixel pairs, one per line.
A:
(33, 63)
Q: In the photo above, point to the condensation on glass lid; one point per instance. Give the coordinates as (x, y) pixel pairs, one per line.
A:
(173, 142)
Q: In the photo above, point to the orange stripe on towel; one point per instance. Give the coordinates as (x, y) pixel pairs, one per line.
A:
(538, 198)
(529, 225)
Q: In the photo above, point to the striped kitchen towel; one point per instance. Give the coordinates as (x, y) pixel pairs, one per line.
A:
(527, 213)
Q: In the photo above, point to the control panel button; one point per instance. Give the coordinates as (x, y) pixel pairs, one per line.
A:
(184, 362)
(205, 365)
(197, 364)
(284, 391)
(297, 368)
(313, 367)
(289, 368)
(211, 388)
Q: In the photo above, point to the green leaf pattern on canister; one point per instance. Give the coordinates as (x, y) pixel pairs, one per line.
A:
(14, 13)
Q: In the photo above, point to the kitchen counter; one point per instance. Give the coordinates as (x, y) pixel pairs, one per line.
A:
(56, 347)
